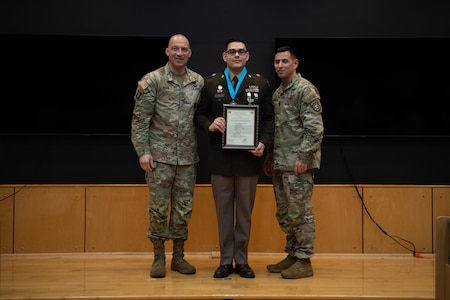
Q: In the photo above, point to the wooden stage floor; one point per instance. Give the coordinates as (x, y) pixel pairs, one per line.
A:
(113, 276)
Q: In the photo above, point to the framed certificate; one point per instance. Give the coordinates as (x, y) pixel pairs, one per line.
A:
(241, 131)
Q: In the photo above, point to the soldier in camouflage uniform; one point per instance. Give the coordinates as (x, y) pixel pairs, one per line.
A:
(291, 161)
(164, 137)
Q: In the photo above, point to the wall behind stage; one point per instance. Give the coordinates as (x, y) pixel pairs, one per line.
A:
(111, 159)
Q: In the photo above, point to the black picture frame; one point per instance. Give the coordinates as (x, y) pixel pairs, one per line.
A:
(242, 126)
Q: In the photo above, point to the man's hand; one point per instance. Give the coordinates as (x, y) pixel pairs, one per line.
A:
(300, 167)
(268, 167)
(259, 151)
(218, 124)
(146, 162)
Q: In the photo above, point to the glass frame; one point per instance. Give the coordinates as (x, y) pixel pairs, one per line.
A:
(242, 126)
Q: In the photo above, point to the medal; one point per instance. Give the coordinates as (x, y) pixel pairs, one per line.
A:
(249, 98)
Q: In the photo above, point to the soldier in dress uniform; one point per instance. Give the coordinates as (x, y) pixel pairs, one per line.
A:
(234, 172)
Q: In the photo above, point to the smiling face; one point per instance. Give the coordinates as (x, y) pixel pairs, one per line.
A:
(178, 51)
(285, 65)
(236, 56)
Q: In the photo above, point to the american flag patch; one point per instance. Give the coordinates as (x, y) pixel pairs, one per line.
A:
(143, 84)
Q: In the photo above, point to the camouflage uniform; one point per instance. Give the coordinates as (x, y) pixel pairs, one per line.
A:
(298, 136)
(163, 126)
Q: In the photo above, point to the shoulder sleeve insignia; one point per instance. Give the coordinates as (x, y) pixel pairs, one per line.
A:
(316, 106)
(143, 84)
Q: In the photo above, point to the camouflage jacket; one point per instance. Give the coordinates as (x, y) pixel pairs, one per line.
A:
(163, 117)
(298, 125)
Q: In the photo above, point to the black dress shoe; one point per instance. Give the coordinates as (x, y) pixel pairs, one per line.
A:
(244, 271)
(223, 271)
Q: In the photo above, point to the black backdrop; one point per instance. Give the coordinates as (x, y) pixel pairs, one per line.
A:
(74, 84)
(84, 84)
(73, 126)
(379, 86)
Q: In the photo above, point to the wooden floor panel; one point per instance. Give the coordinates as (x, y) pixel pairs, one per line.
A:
(125, 276)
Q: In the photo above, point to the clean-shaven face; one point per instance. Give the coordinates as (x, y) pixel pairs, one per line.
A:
(285, 66)
(236, 56)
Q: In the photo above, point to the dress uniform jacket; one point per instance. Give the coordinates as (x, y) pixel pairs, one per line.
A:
(214, 95)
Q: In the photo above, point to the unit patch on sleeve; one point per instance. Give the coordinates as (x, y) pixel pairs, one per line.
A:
(315, 105)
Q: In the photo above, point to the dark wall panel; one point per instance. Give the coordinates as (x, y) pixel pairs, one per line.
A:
(73, 84)
(379, 86)
(110, 158)
(104, 159)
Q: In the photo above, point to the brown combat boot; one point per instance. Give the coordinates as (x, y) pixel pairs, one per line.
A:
(282, 265)
(158, 269)
(301, 268)
(179, 264)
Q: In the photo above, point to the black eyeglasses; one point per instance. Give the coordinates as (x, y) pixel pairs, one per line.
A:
(234, 51)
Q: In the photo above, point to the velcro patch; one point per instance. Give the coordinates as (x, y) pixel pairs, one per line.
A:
(315, 105)
(143, 84)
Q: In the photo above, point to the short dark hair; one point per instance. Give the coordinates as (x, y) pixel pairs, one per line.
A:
(232, 40)
(287, 48)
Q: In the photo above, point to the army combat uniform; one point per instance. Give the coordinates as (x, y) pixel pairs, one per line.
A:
(163, 126)
(298, 137)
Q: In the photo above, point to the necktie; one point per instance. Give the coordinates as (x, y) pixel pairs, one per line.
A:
(234, 81)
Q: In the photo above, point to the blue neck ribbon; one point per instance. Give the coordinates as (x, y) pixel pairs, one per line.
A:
(233, 91)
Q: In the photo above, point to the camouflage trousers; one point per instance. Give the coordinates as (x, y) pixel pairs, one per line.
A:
(171, 190)
(294, 212)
